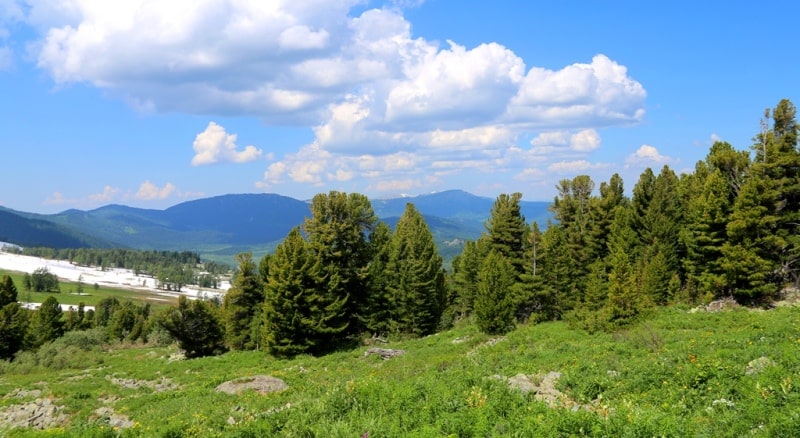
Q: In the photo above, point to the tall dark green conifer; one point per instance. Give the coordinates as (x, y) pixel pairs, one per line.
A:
(415, 274)
(241, 302)
(338, 231)
(464, 277)
(494, 305)
(506, 230)
(299, 316)
(8, 291)
(47, 325)
(13, 329)
(380, 304)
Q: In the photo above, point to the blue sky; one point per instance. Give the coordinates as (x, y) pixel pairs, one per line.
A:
(152, 103)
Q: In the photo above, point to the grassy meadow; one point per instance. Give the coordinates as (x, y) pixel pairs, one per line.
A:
(90, 296)
(731, 373)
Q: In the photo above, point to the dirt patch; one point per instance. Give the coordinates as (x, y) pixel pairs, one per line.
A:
(259, 384)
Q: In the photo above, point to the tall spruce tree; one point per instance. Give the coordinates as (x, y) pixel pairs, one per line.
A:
(377, 317)
(464, 277)
(494, 305)
(241, 303)
(415, 274)
(338, 231)
(763, 250)
(506, 229)
(625, 299)
(8, 291)
(299, 316)
(571, 208)
(13, 329)
(612, 195)
(47, 324)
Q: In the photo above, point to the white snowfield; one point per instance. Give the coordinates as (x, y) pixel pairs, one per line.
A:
(122, 278)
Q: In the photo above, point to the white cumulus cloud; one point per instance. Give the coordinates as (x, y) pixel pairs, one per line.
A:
(354, 74)
(214, 145)
(149, 191)
(647, 155)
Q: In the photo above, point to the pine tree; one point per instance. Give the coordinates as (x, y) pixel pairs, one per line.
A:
(464, 277)
(47, 324)
(625, 297)
(415, 274)
(241, 302)
(571, 209)
(380, 303)
(8, 291)
(299, 315)
(14, 322)
(559, 293)
(338, 231)
(601, 211)
(494, 306)
(707, 215)
(506, 230)
(195, 325)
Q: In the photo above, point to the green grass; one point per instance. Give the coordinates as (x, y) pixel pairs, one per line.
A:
(677, 374)
(90, 296)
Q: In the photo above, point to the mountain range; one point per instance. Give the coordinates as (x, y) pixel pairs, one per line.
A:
(220, 227)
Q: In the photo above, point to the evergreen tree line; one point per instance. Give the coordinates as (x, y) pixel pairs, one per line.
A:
(340, 275)
(23, 329)
(729, 229)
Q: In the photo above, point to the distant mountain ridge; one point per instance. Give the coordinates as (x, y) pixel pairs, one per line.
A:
(221, 226)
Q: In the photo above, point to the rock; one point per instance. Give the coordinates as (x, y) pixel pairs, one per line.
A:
(720, 305)
(107, 415)
(40, 414)
(385, 353)
(756, 366)
(164, 384)
(259, 384)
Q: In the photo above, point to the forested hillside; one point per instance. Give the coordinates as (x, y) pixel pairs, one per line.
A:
(728, 229)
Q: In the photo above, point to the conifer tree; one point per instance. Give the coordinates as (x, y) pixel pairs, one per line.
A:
(559, 293)
(506, 230)
(8, 291)
(612, 195)
(195, 325)
(380, 302)
(625, 297)
(464, 277)
(415, 275)
(47, 324)
(571, 208)
(763, 249)
(241, 303)
(299, 316)
(338, 231)
(13, 329)
(494, 306)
